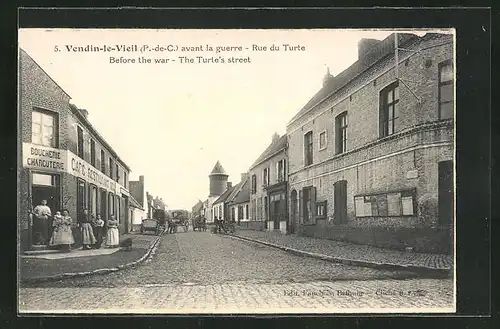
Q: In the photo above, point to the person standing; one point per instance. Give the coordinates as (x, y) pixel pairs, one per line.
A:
(88, 238)
(98, 225)
(41, 223)
(62, 236)
(112, 236)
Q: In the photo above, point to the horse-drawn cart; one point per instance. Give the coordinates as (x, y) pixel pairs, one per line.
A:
(199, 223)
(178, 218)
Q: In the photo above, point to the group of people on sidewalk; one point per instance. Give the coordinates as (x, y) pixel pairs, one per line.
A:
(93, 229)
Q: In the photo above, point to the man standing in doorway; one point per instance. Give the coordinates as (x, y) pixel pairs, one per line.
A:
(41, 223)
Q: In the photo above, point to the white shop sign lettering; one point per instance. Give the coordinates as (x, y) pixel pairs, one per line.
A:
(43, 158)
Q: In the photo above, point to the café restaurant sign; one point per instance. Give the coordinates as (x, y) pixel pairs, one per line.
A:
(44, 158)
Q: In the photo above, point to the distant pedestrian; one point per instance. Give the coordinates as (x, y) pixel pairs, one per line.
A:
(88, 238)
(62, 235)
(41, 223)
(98, 225)
(112, 236)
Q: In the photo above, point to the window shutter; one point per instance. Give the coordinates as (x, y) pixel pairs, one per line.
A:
(301, 207)
(277, 171)
(313, 204)
(284, 169)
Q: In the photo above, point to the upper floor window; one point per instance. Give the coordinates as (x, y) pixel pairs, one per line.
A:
(341, 131)
(322, 140)
(446, 90)
(80, 141)
(254, 184)
(92, 153)
(117, 171)
(308, 148)
(281, 170)
(111, 167)
(389, 112)
(124, 179)
(103, 162)
(43, 129)
(265, 177)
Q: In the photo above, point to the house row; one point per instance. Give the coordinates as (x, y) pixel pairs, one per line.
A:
(369, 158)
(64, 160)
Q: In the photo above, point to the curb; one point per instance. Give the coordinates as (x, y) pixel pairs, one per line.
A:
(57, 277)
(441, 272)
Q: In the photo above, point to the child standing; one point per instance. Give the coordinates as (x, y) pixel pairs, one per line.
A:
(62, 235)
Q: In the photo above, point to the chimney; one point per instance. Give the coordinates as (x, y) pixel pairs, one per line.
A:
(84, 112)
(276, 137)
(229, 184)
(243, 176)
(141, 178)
(365, 46)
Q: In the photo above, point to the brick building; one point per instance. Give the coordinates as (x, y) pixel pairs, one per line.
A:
(268, 188)
(219, 206)
(238, 202)
(371, 154)
(62, 158)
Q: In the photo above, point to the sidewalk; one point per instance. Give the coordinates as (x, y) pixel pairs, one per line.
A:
(350, 253)
(84, 262)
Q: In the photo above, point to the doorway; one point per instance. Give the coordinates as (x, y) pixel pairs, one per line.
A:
(80, 199)
(293, 217)
(340, 202)
(45, 187)
(445, 193)
(103, 207)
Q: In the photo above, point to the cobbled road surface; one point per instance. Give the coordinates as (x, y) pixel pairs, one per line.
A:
(200, 272)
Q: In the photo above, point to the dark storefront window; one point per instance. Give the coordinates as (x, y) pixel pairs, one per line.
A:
(308, 148)
(446, 90)
(80, 141)
(111, 204)
(389, 113)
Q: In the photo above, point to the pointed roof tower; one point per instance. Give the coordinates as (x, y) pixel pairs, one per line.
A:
(328, 76)
(218, 170)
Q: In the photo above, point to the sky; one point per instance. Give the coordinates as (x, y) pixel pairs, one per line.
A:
(171, 122)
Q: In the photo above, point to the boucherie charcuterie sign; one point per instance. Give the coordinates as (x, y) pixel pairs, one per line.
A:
(56, 160)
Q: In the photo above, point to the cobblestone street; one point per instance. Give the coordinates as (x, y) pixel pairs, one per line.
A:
(202, 272)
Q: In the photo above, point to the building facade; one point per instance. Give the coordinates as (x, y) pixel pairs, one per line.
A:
(268, 188)
(62, 158)
(371, 156)
(139, 208)
(238, 202)
(196, 210)
(219, 206)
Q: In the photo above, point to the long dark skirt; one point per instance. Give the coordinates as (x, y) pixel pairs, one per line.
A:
(98, 233)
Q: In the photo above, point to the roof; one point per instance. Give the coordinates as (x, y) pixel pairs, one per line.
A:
(101, 139)
(218, 170)
(224, 195)
(384, 48)
(197, 207)
(243, 194)
(133, 203)
(273, 148)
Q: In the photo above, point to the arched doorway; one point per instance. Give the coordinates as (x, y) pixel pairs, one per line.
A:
(293, 212)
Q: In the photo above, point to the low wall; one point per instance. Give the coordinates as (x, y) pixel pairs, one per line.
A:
(425, 240)
(252, 225)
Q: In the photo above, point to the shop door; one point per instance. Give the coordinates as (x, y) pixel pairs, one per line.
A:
(340, 202)
(445, 196)
(46, 187)
(104, 198)
(80, 199)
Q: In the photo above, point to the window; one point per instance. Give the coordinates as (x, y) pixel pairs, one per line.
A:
(43, 130)
(265, 177)
(80, 141)
(254, 184)
(92, 152)
(111, 166)
(233, 213)
(321, 210)
(393, 204)
(308, 194)
(281, 170)
(322, 140)
(111, 204)
(117, 204)
(103, 162)
(254, 209)
(341, 131)
(124, 179)
(43, 179)
(93, 199)
(246, 212)
(308, 148)
(389, 113)
(117, 171)
(240, 212)
(446, 90)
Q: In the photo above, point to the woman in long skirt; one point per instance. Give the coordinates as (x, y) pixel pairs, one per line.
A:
(62, 235)
(112, 236)
(88, 238)
(98, 225)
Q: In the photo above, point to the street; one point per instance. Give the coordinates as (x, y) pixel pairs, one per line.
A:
(202, 272)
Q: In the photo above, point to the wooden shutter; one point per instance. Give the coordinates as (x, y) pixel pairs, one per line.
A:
(301, 206)
(312, 190)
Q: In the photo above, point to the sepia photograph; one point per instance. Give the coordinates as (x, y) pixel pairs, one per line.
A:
(236, 171)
